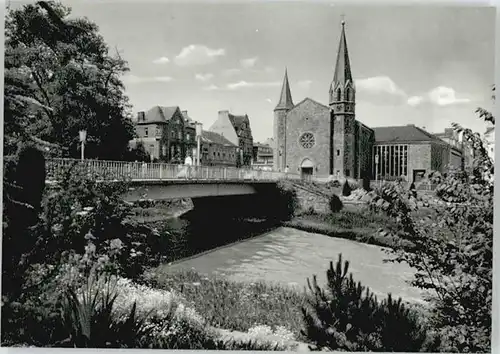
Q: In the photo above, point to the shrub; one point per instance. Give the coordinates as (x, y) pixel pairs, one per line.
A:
(346, 189)
(348, 317)
(287, 202)
(336, 204)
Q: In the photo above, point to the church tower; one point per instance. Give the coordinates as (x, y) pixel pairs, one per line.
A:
(342, 118)
(280, 112)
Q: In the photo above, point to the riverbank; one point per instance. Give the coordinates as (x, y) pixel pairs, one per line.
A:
(355, 223)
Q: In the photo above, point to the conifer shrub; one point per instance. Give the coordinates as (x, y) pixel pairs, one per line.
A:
(346, 189)
(336, 204)
(346, 316)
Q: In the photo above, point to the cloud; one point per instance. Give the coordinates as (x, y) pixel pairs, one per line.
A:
(444, 96)
(269, 100)
(211, 88)
(387, 91)
(196, 54)
(304, 84)
(415, 100)
(248, 63)
(163, 78)
(132, 79)
(441, 96)
(204, 77)
(231, 72)
(245, 84)
(379, 84)
(161, 60)
(268, 69)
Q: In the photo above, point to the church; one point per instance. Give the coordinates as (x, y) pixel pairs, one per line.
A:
(313, 139)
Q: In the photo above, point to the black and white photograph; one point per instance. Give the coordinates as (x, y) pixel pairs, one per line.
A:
(248, 175)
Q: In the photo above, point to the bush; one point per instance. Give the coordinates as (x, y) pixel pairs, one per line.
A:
(336, 204)
(346, 189)
(286, 201)
(348, 317)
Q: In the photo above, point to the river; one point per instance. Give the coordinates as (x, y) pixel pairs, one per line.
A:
(288, 257)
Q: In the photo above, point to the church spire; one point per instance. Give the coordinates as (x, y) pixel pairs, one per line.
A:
(343, 66)
(285, 101)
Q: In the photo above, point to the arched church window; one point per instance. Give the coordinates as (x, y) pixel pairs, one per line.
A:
(307, 140)
(339, 94)
(348, 94)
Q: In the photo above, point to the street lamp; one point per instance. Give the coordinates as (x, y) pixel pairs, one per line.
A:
(199, 130)
(376, 167)
(83, 138)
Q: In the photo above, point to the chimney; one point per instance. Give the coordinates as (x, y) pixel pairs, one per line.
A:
(184, 113)
(141, 117)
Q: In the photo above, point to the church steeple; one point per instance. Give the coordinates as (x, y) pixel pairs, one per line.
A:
(342, 78)
(285, 101)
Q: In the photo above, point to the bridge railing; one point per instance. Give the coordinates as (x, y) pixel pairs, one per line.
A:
(110, 170)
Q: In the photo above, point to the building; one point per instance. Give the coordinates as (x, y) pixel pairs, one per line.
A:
(190, 135)
(311, 138)
(216, 150)
(237, 130)
(316, 139)
(162, 132)
(263, 155)
(489, 137)
(411, 152)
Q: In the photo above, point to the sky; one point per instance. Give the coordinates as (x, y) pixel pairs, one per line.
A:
(427, 65)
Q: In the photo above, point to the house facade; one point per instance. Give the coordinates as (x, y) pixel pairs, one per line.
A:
(162, 132)
(216, 150)
(236, 129)
(263, 156)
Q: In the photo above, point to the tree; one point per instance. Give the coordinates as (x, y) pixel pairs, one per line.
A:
(452, 254)
(69, 70)
(348, 317)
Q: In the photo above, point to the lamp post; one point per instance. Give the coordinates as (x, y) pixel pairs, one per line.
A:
(376, 167)
(199, 130)
(83, 138)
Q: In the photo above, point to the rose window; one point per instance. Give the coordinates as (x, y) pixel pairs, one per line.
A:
(307, 140)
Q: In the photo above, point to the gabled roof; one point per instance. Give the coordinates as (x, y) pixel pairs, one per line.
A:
(238, 121)
(310, 100)
(188, 120)
(285, 101)
(215, 138)
(406, 133)
(159, 114)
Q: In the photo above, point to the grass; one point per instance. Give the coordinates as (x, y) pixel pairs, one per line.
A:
(237, 306)
(358, 224)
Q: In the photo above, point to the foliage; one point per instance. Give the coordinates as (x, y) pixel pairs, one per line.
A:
(138, 153)
(348, 317)
(346, 189)
(287, 201)
(336, 204)
(452, 255)
(64, 67)
(234, 305)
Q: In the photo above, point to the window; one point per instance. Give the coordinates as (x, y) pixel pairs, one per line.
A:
(173, 134)
(179, 135)
(348, 173)
(339, 94)
(338, 152)
(307, 140)
(145, 131)
(188, 137)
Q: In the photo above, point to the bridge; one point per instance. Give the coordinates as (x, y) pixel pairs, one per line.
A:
(160, 181)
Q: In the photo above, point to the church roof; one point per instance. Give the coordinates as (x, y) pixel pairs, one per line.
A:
(238, 122)
(215, 138)
(285, 101)
(406, 133)
(313, 101)
(343, 66)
